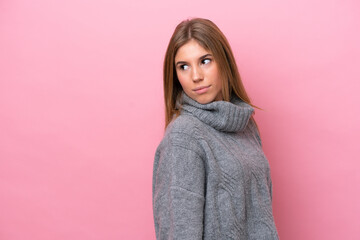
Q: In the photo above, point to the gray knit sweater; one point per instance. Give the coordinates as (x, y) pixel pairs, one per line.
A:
(211, 179)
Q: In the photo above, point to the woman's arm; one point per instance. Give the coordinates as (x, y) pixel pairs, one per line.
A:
(178, 192)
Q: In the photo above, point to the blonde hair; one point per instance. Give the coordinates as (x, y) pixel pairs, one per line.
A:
(209, 36)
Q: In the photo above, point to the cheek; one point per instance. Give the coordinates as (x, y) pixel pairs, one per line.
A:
(180, 78)
(215, 75)
(183, 79)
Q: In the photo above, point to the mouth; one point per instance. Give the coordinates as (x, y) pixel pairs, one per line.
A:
(202, 89)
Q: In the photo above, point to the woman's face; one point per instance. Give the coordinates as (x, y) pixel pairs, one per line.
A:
(198, 73)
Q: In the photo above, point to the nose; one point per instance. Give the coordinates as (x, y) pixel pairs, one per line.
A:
(197, 74)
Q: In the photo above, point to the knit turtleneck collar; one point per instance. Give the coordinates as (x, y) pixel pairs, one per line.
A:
(224, 116)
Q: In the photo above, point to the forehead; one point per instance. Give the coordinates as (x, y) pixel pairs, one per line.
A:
(190, 50)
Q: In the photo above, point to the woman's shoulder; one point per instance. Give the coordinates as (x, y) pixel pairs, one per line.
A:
(183, 124)
(252, 126)
(184, 132)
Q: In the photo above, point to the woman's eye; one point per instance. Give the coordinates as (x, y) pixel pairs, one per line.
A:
(206, 61)
(184, 67)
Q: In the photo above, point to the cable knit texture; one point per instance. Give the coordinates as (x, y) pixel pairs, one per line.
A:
(211, 179)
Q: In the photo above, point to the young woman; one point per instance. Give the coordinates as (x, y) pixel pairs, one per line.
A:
(211, 179)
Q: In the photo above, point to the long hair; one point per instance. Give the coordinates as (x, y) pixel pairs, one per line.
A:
(209, 36)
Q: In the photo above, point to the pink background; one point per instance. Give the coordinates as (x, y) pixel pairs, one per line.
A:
(81, 111)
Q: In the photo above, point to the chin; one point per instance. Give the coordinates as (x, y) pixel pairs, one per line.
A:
(204, 99)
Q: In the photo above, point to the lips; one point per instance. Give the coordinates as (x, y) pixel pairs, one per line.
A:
(202, 89)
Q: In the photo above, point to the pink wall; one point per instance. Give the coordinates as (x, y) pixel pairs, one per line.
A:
(81, 111)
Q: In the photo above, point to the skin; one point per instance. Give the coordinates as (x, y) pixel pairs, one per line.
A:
(198, 73)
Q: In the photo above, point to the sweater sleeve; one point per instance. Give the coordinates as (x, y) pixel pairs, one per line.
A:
(254, 129)
(178, 192)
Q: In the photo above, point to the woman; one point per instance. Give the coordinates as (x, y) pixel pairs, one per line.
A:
(211, 179)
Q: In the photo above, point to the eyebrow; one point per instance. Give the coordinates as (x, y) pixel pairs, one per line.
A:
(200, 58)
